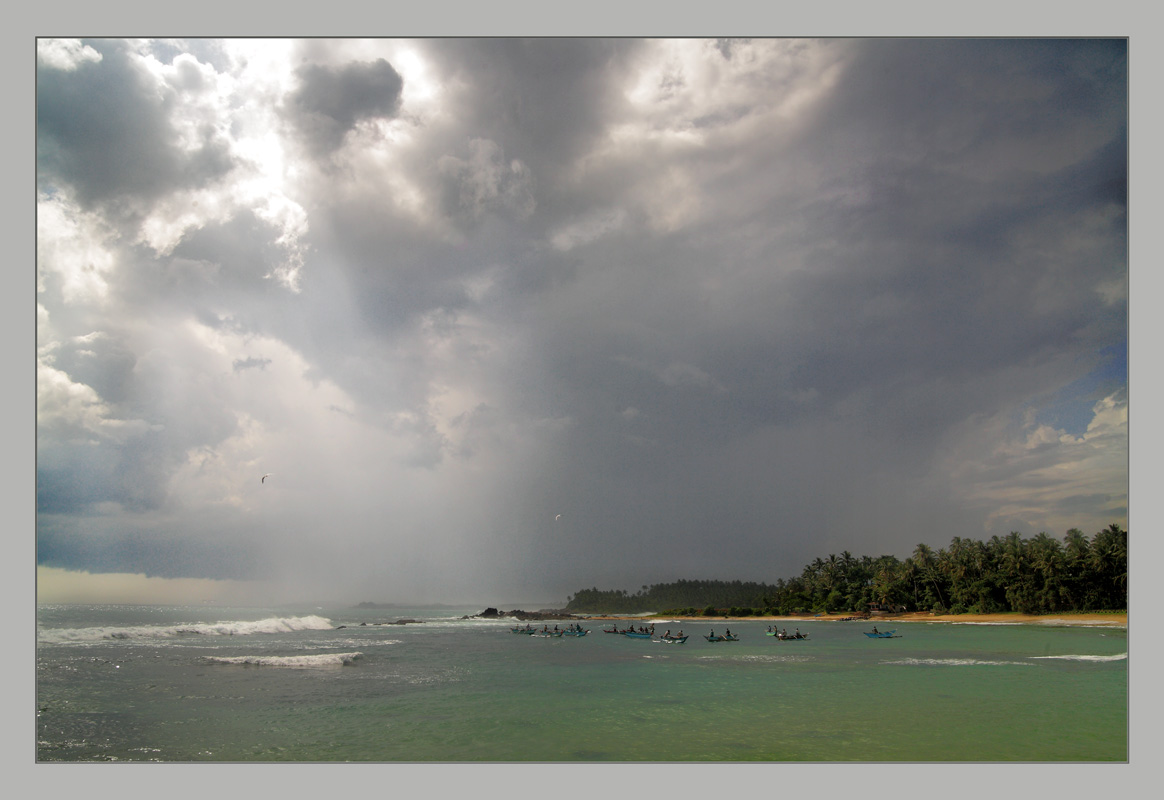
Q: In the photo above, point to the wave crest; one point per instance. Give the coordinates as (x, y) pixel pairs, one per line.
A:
(227, 628)
(1116, 657)
(318, 660)
(957, 662)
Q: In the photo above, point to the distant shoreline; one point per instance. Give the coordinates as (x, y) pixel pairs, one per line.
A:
(1108, 619)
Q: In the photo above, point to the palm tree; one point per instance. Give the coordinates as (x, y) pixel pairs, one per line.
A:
(1109, 561)
(923, 556)
(1076, 563)
(961, 568)
(1046, 559)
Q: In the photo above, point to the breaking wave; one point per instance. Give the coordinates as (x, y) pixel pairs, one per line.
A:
(319, 660)
(756, 658)
(229, 628)
(1116, 657)
(957, 662)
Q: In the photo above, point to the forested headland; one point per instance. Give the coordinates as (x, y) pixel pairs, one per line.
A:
(1037, 575)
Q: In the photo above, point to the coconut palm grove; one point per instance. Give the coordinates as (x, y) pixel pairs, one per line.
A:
(1036, 575)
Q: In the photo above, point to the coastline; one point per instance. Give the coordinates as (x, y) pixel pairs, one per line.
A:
(1103, 619)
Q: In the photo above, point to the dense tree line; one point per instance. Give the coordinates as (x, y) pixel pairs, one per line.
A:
(681, 594)
(1038, 575)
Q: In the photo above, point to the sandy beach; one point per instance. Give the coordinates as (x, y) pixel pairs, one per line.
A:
(1111, 619)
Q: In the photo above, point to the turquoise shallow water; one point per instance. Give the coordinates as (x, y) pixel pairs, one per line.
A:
(238, 685)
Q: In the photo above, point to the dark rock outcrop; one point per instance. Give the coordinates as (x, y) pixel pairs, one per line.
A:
(525, 616)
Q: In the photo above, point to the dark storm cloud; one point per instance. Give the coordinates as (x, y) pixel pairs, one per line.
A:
(910, 308)
(138, 548)
(725, 307)
(106, 130)
(330, 101)
(75, 483)
(545, 100)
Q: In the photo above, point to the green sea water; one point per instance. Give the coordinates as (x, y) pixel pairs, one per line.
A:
(175, 684)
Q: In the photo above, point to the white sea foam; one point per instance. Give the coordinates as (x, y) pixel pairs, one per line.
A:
(228, 628)
(957, 662)
(318, 660)
(756, 658)
(1116, 657)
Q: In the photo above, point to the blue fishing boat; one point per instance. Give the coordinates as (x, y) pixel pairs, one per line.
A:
(722, 638)
(875, 634)
(673, 639)
(636, 635)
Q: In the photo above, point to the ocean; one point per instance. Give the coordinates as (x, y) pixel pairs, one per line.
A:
(320, 684)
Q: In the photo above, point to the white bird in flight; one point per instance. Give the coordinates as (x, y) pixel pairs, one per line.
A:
(557, 518)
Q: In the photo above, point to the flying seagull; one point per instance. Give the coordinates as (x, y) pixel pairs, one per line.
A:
(557, 518)
(264, 478)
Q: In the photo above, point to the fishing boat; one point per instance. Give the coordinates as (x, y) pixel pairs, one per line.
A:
(636, 635)
(549, 634)
(882, 634)
(526, 629)
(787, 636)
(722, 638)
(673, 639)
(577, 632)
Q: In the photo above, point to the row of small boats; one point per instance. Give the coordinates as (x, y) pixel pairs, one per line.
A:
(644, 633)
(573, 630)
(647, 633)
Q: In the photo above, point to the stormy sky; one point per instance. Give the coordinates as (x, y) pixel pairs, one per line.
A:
(504, 319)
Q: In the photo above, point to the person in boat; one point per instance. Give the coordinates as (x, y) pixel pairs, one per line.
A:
(798, 633)
(875, 629)
(667, 635)
(727, 634)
